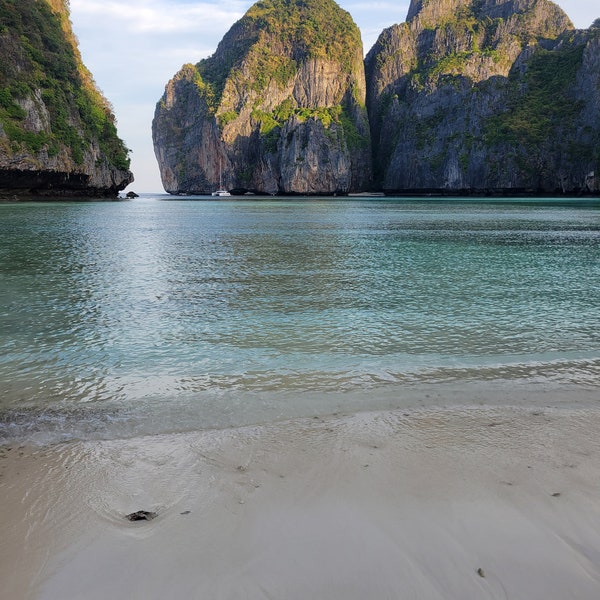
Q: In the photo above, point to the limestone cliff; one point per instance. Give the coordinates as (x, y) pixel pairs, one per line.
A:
(57, 132)
(485, 95)
(279, 108)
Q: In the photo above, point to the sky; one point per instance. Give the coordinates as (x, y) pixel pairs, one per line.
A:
(134, 48)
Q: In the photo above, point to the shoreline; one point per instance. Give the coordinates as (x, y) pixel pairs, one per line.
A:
(456, 503)
(30, 425)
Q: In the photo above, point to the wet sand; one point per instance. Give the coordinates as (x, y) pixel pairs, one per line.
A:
(470, 503)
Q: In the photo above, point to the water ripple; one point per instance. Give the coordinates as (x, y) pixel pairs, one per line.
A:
(114, 309)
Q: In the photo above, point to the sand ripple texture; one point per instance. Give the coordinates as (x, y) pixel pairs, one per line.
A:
(452, 504)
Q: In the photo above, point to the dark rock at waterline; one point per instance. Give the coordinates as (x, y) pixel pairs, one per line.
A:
(141, 515)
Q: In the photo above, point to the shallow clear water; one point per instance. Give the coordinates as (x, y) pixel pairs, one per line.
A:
(165, 314)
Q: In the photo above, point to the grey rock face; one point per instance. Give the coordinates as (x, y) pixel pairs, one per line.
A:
(485, 95)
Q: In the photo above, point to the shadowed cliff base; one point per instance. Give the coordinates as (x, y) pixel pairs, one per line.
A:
(493, 193)
(25, 185)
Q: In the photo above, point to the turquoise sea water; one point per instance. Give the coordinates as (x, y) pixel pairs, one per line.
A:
(164, 314)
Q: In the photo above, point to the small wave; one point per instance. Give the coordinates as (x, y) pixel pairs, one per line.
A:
(163, 404)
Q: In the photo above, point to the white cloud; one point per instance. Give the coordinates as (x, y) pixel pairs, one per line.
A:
(157, 16)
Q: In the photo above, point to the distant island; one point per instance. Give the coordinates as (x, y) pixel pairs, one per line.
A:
(466, 97)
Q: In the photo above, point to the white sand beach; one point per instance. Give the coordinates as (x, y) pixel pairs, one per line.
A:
(454, 504)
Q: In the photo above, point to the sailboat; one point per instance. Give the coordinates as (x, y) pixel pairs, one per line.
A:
(221, 192)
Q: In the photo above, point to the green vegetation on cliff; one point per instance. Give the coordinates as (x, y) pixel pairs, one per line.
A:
(314, 28)
(543, 115)
(546, 103)
(274, 37)
(472, 38)
(41, 65)
(272, 122)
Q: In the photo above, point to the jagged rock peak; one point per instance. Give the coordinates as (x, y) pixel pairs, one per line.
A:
(278, 108)
(432, 9)
(437, 12)
(481, 38)
(57, 131)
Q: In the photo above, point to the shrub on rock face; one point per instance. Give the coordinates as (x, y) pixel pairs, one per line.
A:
(279, 108)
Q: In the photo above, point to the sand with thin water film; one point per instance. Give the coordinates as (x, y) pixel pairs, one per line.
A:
(429, 504)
